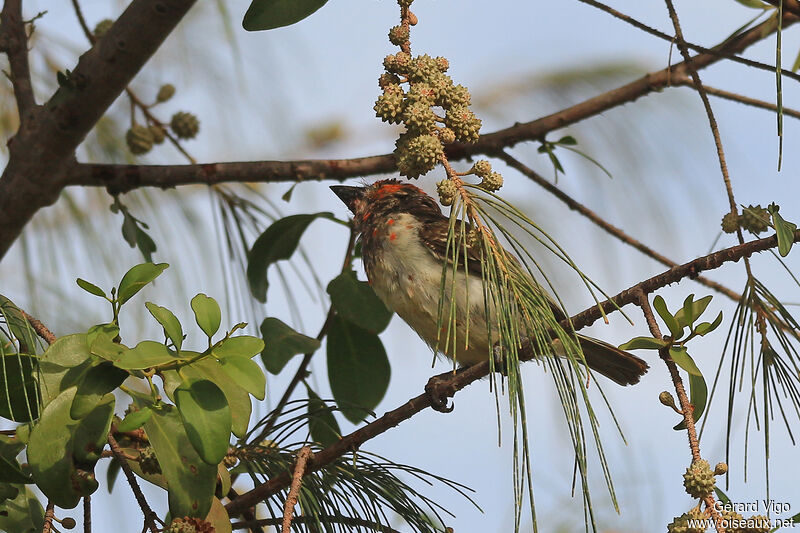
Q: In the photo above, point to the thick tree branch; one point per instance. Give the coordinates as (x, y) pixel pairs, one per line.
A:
(123, 178)
(14, 41)
(42, 152)
(449, 383)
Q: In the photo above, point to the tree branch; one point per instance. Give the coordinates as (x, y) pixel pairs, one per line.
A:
(42, 152)
(449, 383)
(14, 42)
(150, 517)
(303, 457)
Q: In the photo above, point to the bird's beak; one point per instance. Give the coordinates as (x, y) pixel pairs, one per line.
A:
(349, 195)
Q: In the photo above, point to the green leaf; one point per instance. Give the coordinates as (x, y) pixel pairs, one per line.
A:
(684, 360)
(170, 323)
(247, 374)
(10, 470)
(322, 424)
(721, 496)
(271, 14)
(282, 343)
(661, 308)
(191, 480)
(146, 354)
(50, 452)
(243, 346)
(643, 343)
(206, 416)
(358, 369)
(567, 140)
(218, 517)
(91, 433)
(136, 278)
(68, 351)
(211, 369)
(355, 301)
(98, 381)
(698, 397)
(103, 345)
(18, 324)
(704, 327)
(206, 313)
(91, 288)
(19, 388)
(279, 241)
(691, 310)
(23, 513)
(109, 330)
(784, 230)
(135, 419)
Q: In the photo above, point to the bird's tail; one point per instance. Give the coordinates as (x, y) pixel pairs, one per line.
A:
(615, 364)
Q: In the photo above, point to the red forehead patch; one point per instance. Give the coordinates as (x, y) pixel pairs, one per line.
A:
(389, 187)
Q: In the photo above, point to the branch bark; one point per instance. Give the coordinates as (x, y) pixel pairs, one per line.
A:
(449, 383)
(41, 154)
(15, 44)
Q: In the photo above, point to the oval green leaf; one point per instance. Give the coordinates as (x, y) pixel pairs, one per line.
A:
(270, 14)
(206, 416)
(170, 323)
(355, 301)
(146, 354)
(684, 360)
(91, 288)
(321, 423)
(136, 278)
(91, 433)
(243, 346)
(135, 419)
(191, 480)
(209, 368)
(282, 343)
(358, 369)
(661, 308)
(698, 396)
(206, 313)
(705, 327)
(247, 374)
(98, 381)
(643, 343)
(279, 241)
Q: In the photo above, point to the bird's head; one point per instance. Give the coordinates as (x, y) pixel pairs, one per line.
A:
(384, 198)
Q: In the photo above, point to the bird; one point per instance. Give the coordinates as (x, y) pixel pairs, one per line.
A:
(403, 235)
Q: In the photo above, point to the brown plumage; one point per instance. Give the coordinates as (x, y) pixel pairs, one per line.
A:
(404, 242)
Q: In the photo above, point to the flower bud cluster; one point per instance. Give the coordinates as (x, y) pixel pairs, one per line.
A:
(754, 219)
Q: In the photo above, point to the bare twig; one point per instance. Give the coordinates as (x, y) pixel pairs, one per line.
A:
(48, 517)
(150, 517)
(735, 97)
(344, 520)
(82, 21)
(450, 383)
(303, 456)
(87, 514)
(605, 225)
(15, 44)
(687, 409)
(39, 328)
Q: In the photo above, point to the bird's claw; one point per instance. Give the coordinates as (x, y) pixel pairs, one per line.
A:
(439, 390)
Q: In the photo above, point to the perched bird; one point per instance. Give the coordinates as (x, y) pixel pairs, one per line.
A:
(404, 237)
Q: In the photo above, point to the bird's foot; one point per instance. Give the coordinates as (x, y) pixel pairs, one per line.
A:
(439, 389)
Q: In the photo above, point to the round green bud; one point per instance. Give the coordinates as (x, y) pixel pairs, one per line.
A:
(680, 524)
(481, 168)
(455, 95)
(165, 92)
(102, 27)
(699, 479)
(419, 118)
(387, 79)
(440, 83)
(139, 139)
(442, 64)
(721, 469)
(189, 525)
(447, 136)
(158, 132)
(185, 125)
(492, 182)
(667, 399)
(398, 35)
(422, 68)
(398, 63)
(389, 107)
(730, 222)
(422, 92)
(754, 219)
(68, 522)
(417, 154)
(447, 191)
(464, 123)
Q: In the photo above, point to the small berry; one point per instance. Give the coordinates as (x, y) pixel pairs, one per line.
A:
(386, 79)
(754, 219)
(720, 469)
(102, 27)
(417, 154)
(389, 107)
(680, 524)
(165, 92)
(422, 92)
(419, 117)
(492, 182)
(464, 123)
(398, 63)
(447, 136)
(185, 125)
(667, 399)
(422, 68)
(481, 168)
(699, 479)
(159, 133)
(68, 522)
(139, 139)
(398, 35)
(442, 63)
(730, 222)
(454, 95)
(447, 191)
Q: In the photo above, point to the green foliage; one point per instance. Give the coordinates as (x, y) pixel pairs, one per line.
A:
(322, 424)
(133, 231)
(282, 343)
(21, 513)
(206, 418)
(783, 229)
(675, 344)
(270, 14)
(277, 242)
(568, 142)
(356, 302)
(207, 314)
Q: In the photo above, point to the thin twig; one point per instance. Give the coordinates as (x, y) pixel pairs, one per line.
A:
(303, 456)
(735, 97)
(344, 520)
(39, 328)
(687, 409)
(448, 384)
(15, 44)
(605, 225)
(82, 21)
(48, 517)
(87, 514)
(150, 517)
